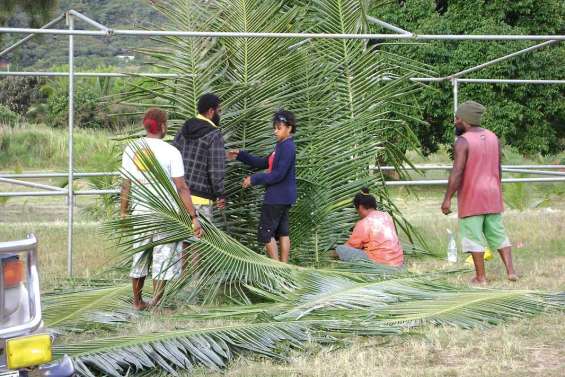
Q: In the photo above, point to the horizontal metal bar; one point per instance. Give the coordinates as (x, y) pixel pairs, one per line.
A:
(429, 182)
(202, 34)
(510, 81)
(57, 193)
(30, 184)
(59, 175)
(10, 194)
(449, 167)
(443, 182)
(93, 74)
(535, 172)
(176, 75)
(25, 39)
(96, 192)
(383, 168)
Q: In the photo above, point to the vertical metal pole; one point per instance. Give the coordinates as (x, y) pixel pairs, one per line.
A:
(455, 84)
(70, 197)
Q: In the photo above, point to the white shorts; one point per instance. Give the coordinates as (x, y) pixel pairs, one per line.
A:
(167, 260)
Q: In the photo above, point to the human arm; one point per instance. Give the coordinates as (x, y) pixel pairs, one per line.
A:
(184, 193)
(499, 160)
(358, 237)
(251, 160)
(461, 149)
(284, 158)
(124, 197)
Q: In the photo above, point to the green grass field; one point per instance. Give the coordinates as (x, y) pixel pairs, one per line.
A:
(528, 347)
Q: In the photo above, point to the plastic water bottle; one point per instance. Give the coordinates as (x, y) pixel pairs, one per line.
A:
(451, 247)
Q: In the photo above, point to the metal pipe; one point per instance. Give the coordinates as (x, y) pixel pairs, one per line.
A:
(97, 192)
(93, 74)
(511, 81)
(202, 34)
(11, 194)
(498, 60)
(436, 182)
(30, 184)
(25, 39)
(428, 182)
(176, 75)
(89, 20)
(449, 167)
(388, 26)
(535, 172)
(59, 175)
(383, 168)
(70, 197)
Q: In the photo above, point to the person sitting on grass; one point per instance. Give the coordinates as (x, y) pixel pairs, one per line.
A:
(280, 183)
(374, 237)
(165, 257)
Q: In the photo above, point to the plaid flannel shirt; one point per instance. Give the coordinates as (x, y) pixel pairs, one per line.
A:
(204, 159)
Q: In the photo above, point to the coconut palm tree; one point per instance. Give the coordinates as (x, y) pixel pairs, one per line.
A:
(335, 87)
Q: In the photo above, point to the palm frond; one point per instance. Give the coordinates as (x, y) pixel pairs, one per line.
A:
(321, 295)
(477, 308)
(212, 347)
(108, 305)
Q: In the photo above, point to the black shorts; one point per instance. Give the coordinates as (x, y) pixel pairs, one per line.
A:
(273, 223)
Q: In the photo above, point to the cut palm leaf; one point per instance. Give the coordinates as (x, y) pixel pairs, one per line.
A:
(212, 347)
(478, 308)
(85, 307)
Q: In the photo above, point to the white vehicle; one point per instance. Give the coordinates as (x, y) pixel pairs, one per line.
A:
(25, 346)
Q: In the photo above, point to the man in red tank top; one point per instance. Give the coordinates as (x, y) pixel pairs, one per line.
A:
(476, 177)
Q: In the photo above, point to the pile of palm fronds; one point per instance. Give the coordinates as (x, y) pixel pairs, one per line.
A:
(269, 307)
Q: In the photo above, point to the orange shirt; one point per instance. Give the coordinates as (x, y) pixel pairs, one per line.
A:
(376, 235)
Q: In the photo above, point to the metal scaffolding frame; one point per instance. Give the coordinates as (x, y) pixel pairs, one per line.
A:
(398, 34)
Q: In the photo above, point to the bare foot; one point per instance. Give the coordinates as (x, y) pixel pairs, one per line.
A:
(142, 305)
(512, 277)
(478, 281)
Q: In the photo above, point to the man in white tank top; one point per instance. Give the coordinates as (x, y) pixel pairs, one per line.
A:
(166, 263)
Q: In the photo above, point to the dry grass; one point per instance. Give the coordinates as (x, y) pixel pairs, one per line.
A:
(520, 348)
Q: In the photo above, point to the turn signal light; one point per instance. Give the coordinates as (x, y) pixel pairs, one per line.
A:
(13, 273)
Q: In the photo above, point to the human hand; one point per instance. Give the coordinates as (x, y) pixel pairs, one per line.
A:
(196, 228)
(446, 206)
(232, 154)
(221, 203)
(246, 182)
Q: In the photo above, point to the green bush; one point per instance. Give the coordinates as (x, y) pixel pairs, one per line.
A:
(95, 104)
(8, 117)
(20, 93)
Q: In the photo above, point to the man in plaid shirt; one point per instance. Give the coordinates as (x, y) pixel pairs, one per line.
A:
(202, 148)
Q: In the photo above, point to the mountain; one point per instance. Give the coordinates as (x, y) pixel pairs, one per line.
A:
(45, 51)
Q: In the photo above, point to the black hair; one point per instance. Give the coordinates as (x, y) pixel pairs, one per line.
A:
(208, 101)
(285, 117)
(365, 199)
